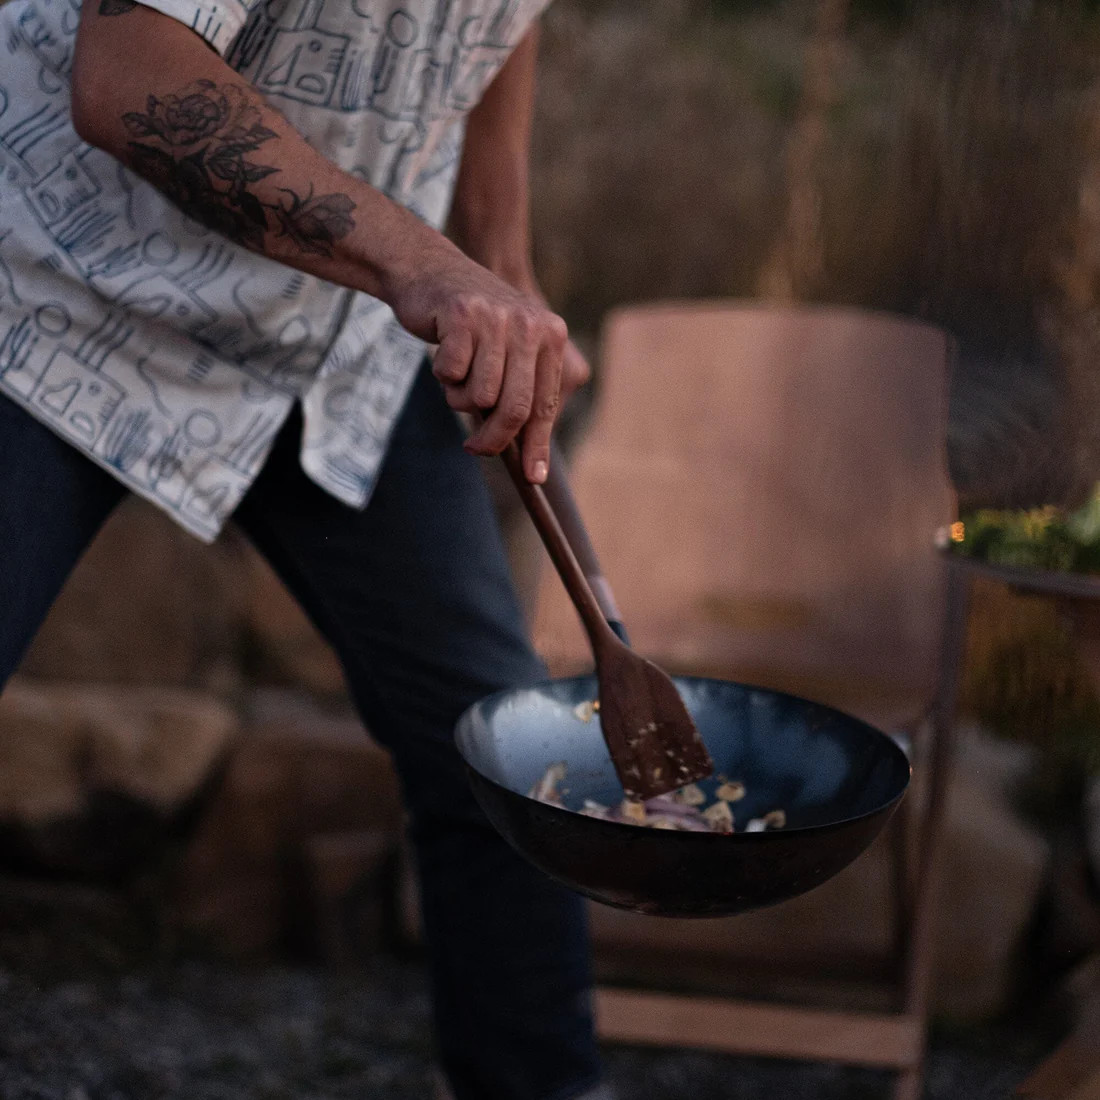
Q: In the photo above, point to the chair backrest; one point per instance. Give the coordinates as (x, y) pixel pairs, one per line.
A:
(764, 486)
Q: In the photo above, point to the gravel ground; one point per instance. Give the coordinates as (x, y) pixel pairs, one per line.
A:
(85, 1017)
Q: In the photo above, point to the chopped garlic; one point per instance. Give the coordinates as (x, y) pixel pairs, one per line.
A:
(691, 795)
(719, 817)
(730, 791)
(547, 788)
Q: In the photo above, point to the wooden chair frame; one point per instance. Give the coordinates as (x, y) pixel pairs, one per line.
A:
(895, 1040)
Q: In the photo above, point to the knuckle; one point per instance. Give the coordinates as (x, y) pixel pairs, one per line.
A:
(448, 367)
(516, 415)
(526, 323)
(557, 330)
(547, 408)
(483, 396)
(574, 378)
(457, 400)
(463, 307)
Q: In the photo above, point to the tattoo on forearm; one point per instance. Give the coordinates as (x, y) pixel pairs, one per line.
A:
(116, 7)
(194, 147)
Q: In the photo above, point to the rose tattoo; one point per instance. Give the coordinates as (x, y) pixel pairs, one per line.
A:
(196, 147)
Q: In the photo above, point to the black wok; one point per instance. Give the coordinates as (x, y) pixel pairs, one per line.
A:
(837, 779)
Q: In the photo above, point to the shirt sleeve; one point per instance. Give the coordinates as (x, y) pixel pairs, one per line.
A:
(216, 21)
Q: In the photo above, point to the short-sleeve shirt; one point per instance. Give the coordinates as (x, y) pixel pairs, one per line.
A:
(159, 348)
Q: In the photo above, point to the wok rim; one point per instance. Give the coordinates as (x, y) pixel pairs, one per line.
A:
(464, 725)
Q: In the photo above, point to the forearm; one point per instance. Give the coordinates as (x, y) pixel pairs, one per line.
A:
(147, 90)
(490, 216)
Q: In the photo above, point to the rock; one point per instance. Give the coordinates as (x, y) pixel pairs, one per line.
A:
(350, 879)
(42, 753)
(60, 742)
(94, 779)
(994, 869)
(147, 604)
(307, 798)
(150, 604)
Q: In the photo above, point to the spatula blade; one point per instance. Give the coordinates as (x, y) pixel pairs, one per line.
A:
(652, 738)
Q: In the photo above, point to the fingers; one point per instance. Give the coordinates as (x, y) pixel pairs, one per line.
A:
(482, 385)
(540, 426)
(517, 395)
(505, 352)
(453, 357)
(530, 394)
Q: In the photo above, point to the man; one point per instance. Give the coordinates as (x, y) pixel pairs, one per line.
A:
(219, 267)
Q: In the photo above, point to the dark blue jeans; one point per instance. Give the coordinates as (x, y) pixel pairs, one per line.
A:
(415, 595)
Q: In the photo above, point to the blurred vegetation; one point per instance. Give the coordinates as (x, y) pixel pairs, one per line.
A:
(948, 186)
(1047, 538)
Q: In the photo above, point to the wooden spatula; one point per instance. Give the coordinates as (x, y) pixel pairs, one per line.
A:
(652, 739)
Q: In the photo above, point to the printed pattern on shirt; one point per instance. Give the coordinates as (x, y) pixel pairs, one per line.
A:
(170, 355)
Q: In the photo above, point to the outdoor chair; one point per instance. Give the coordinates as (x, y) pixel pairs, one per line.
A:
(764, 487)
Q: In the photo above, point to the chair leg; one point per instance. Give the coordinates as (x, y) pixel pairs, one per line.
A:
(903, 846)
(930, 841)
(910, 1083)
(902, 888)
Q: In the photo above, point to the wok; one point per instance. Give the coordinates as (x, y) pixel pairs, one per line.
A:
(838, 780)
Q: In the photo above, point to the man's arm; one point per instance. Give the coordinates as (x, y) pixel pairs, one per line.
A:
(147, 90)
(490, 217)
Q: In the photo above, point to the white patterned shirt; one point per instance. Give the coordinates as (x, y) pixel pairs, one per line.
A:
(169, 354)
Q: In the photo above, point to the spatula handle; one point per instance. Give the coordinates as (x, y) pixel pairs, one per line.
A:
(559, 495)
(559, 548)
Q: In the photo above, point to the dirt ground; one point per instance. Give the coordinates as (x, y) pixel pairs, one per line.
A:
(87, 1013)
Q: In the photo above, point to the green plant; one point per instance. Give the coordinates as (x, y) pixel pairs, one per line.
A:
(1038, 538)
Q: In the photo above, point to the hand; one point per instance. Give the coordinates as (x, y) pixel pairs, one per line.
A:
(500, 349)
(575, 370)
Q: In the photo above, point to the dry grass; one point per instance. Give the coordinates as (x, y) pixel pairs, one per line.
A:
(948, 188)
(659, 152)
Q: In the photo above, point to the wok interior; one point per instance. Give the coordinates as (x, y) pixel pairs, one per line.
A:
(820, 766)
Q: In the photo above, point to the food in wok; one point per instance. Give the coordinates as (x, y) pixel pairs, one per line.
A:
(684, 810)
